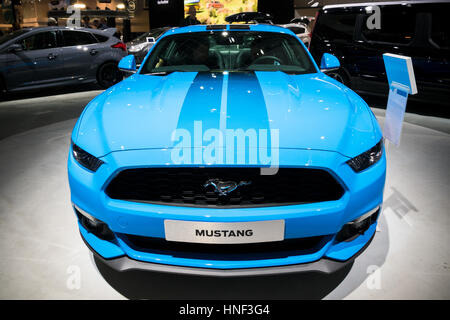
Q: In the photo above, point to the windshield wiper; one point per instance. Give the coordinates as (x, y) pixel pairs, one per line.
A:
(163, 73)
(291, 72)
(243, 70)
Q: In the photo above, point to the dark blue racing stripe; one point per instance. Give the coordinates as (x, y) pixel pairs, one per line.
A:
(226, 102)
(246, 110)
(246, 105)
(202, 103)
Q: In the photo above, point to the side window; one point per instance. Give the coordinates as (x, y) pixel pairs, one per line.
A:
(297, 30)
(398, 24)
(77, 38)
(338, 25)
(440, 34)
(39, 41)
(100, 38)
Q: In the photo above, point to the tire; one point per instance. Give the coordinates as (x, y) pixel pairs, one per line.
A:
(341, 76)
(108, 75)
(3, 91)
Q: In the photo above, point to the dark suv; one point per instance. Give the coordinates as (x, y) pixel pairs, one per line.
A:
(33, 58)
(416, 29)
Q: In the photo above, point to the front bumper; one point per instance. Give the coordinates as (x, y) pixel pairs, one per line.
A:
(363, 193)
(324, 265)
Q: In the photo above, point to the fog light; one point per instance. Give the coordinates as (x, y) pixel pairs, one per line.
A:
(93, 225)
(358, 226)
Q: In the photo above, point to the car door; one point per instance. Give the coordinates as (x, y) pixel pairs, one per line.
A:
(17, 70)
(79, 50)
(334, 33)
(43, 56)
(396, 35)
(36, 60)
(431, 59)
(418, 31)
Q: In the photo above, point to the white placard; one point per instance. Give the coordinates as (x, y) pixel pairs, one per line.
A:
(395, 112)
(402, 82)
(400, 71)
(224, 232)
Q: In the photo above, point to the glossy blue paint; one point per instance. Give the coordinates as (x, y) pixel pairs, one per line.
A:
(224, 264)
(128, 63)
(321, 124)
(312, 111)
(329, 61)
(400, 72)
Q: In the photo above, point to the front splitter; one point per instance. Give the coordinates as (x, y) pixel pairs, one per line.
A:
(324, 265)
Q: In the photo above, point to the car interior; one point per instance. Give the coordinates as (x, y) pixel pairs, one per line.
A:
(249, 51)
(39, 41)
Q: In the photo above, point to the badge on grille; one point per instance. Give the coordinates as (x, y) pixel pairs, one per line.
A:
(224, 188)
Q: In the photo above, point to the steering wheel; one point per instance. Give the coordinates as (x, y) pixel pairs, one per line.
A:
(267, 60)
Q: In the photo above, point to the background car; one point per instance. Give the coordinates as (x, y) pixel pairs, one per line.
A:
(250, 17)
(304, 19)
(301, 30)
(418, 30)
(57, 56)
(140, 46)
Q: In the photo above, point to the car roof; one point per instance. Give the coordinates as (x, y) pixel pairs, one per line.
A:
(228, 27)
(106, 32)
(364, 4)
(54, 28)
(109, 32)
(287, 25)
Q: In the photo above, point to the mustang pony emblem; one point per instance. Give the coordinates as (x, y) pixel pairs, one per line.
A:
(223, 188)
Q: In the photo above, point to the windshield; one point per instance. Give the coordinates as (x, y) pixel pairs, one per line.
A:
(229, 51)
(12, 35)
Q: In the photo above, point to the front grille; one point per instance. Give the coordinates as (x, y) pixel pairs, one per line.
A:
(185, 186)
(247, 251)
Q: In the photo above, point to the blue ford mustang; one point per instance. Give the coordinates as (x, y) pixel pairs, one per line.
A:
(227, 153)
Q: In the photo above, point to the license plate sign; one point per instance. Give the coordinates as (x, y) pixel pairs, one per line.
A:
(224, 232)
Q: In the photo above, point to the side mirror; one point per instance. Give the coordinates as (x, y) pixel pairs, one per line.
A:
(329, 62)
(128, 64)
(16, 47)
(151, 40)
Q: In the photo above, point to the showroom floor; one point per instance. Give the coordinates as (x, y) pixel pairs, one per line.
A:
(43, 256)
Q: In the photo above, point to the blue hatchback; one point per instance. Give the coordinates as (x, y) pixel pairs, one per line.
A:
(228, 153)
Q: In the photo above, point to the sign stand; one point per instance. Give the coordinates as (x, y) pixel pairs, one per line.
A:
(402, 82)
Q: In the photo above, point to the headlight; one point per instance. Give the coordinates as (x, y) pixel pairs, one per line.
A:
(87, 160)
(368, 158)
(138, 47)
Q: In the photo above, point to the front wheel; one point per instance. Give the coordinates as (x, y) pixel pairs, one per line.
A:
(108, 74)
(3, 90)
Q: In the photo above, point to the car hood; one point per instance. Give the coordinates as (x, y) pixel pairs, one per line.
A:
(310, 111)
